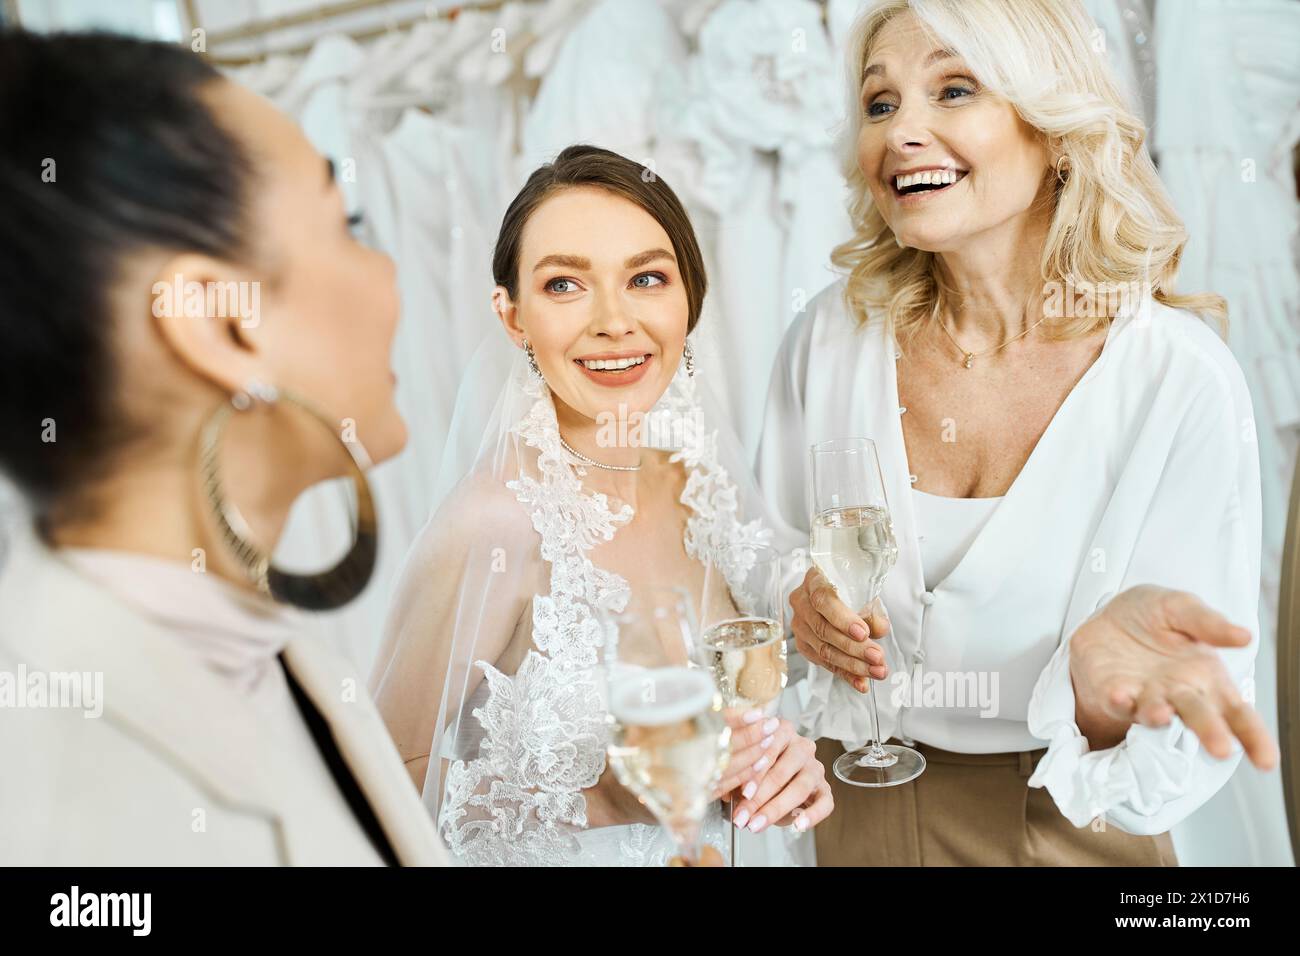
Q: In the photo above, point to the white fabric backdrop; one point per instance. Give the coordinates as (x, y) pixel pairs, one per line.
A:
(442, 122)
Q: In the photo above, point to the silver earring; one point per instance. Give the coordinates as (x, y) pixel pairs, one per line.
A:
(688, 356)
(532, 358)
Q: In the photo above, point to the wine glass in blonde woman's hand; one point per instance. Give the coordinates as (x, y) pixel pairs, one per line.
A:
(828, 633)
(852, 544)
(1151, 653)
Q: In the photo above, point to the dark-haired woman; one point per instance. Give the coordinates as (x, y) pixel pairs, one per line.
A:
(601, 476)
(189, 337)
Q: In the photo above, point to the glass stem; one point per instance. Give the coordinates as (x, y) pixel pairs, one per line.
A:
(688, 843)
(875, 753)
(731, 826)
(875, 750)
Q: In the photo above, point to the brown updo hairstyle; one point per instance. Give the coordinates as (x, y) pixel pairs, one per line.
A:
(584, 165)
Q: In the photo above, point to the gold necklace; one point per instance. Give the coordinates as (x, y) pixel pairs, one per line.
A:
(971, 356)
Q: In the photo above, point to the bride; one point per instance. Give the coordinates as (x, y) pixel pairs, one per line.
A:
(599, 473)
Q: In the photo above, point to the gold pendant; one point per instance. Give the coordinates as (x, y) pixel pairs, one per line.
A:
(969, 356)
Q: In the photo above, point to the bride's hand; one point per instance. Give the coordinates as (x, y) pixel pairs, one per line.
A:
(828, 633)
(776, 773)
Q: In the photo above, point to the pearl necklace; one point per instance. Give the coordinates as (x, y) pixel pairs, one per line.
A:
(596, 464)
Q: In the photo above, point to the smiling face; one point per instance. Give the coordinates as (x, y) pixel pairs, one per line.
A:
(601, 301)
(946, 161)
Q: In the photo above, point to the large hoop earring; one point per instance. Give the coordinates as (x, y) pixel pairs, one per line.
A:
(314, 592)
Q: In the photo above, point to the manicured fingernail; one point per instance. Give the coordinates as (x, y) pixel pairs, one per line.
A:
(771, 725)
(753, 716)
(757, 823)
(766, 742)
(750, 789)
(762, 763)
(801, 823)
(859, 631)
(741, 819)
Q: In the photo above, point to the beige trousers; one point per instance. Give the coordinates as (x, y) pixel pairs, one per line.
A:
(969, 810)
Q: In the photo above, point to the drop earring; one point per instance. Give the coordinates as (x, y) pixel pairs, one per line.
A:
(688, 356)
(532, 358)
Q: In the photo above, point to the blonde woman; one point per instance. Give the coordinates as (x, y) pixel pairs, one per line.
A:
(1064, 440)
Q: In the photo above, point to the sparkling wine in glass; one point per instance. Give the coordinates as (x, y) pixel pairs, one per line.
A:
(669, 742)
(743, 644)
(852, 544)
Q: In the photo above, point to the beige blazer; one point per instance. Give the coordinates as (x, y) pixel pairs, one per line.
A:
(174, 771)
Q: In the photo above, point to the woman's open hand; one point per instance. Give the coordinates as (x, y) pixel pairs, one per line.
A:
(828, 633)
(1151, 653)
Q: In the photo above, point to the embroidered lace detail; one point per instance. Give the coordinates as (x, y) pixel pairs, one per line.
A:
(520, 801)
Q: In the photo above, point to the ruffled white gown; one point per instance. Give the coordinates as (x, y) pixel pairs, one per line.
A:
(1224, 151)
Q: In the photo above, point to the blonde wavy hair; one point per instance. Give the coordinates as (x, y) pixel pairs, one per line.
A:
(1113, 225)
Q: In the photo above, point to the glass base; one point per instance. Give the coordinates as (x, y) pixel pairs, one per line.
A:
(898, 765)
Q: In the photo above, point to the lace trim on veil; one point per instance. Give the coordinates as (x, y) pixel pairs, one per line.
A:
(520, 800)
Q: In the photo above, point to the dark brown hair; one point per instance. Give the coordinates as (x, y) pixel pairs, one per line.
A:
(141, 163)
(585, 165)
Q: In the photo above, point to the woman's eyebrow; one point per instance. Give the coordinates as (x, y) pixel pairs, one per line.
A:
(581, 262)
(650, 255)
(566, 261)
(878, 69)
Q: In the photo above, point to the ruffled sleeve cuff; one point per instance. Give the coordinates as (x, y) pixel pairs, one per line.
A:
(1128, 784)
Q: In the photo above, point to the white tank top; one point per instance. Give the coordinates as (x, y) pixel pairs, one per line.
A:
(946, 528)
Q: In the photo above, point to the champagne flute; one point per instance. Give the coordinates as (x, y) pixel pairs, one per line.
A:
(852, 544)
(669, 742)
(743, 625)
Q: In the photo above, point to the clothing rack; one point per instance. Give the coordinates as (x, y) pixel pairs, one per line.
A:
(324, 14)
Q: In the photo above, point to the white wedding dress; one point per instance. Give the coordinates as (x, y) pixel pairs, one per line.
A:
(1225, 155)
(520, 726)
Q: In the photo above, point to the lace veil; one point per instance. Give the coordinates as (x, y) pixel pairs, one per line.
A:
(489, 652)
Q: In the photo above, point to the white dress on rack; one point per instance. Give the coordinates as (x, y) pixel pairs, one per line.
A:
(757, 108)
(1224, 150)
(602, 83)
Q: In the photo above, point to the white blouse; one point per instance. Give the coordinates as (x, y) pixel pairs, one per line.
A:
(1148, 473)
